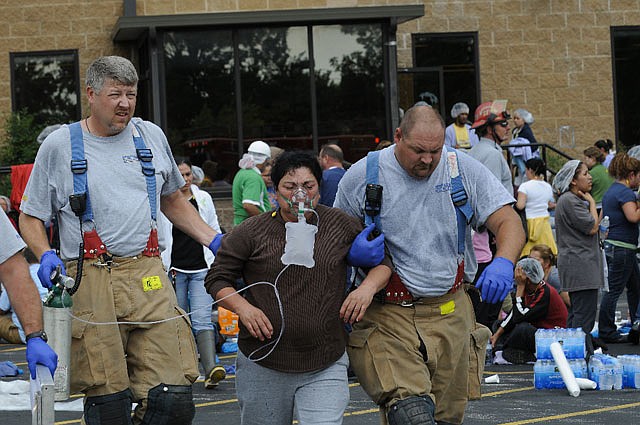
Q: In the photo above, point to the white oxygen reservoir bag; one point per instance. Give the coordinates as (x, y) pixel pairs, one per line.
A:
(301, 237)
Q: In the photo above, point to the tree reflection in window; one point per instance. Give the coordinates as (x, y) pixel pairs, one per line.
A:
(276, 104)
(46, 85)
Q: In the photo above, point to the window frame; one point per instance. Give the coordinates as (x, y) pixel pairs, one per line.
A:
(46, 53)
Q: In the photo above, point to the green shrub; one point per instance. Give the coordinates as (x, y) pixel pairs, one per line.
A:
(19, 145)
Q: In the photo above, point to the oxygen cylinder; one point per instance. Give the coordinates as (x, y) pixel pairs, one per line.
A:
(57, 325)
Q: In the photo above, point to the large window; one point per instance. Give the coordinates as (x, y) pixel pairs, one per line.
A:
(199, 83)
(445, 72)
(350, 86)
(46, 85)
(295, 87)
(626, 52)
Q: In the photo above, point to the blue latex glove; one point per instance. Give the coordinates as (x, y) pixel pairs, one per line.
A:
(48, 264)
(496, 280)
(39, 351)
(366, 253)
(214, 246)
(8, 368)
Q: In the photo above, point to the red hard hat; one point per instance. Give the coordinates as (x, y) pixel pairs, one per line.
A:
(490, 113)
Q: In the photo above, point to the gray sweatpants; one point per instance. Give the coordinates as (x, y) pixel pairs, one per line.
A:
(268, 397)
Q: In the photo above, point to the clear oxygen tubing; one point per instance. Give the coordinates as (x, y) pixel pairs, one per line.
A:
(273, 344)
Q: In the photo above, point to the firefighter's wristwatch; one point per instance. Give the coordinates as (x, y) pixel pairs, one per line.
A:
(38, 334)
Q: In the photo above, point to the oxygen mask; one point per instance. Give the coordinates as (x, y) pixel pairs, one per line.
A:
(299, 203)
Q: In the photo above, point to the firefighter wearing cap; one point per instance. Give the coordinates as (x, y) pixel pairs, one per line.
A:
(492, 126)
(249, 192)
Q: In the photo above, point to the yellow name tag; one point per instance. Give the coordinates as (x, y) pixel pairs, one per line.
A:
(448, 307)
(151, 283)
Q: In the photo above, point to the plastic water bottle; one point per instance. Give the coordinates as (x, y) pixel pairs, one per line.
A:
(595, 369)
(544, 338)
(604, 227)
(581, 348)
(606, 378)
(539, 381)
(617, 374)
(489, 356)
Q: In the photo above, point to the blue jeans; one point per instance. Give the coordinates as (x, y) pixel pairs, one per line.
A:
(518, 161)
(193, 297)
(623, 272)
(270, 397)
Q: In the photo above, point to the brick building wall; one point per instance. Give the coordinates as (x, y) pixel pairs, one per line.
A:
(551, 56)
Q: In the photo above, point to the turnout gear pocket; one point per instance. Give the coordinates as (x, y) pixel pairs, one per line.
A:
(87, 362)
(187, 346)
(477, 352)
(371, 363)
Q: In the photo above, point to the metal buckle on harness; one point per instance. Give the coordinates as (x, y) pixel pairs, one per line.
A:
(459, 198)
(78, 166)
(105, 260)
(145, 156)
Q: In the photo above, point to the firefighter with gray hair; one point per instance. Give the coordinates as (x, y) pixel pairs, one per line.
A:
(106, 178)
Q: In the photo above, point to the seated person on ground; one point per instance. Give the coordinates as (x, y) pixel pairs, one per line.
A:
(537, 306)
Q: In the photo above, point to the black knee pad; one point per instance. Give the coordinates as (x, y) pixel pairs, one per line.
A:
(416, 410)
(169, 405)
(110, 409)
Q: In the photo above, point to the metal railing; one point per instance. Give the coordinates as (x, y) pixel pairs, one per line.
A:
(544, 150)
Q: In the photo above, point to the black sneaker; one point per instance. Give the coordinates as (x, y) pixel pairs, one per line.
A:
(517, 356)
(616, 339)
(634, 333)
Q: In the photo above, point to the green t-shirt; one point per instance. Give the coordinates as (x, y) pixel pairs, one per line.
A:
(248, 187)
(601, 182)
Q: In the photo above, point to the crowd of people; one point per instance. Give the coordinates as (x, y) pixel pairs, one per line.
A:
(402, 266)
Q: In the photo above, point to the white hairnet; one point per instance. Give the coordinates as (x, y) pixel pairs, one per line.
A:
(525, 115)
(564, 177)
(198, 174)
(251, 159)
(532, 268)
(634, 152)
(7, 201)
(459, 108)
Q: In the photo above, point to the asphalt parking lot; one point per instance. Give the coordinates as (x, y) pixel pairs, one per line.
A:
(511, 402)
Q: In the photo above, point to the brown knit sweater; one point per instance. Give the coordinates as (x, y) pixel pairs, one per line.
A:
(314, 336)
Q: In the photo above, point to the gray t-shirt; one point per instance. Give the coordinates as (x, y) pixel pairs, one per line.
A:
(579, 255)
(490, 155)
(418, 217)
(117, 188)
(10, 240)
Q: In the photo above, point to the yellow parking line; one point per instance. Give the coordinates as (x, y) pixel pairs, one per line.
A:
(217, 403)
(570, 415)
(515, 390)
(9, 350)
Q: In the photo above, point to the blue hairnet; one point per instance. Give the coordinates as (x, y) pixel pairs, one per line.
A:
(564, 177)
(532, 268)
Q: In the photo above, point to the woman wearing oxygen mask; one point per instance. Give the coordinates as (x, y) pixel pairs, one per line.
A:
(294, 260)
